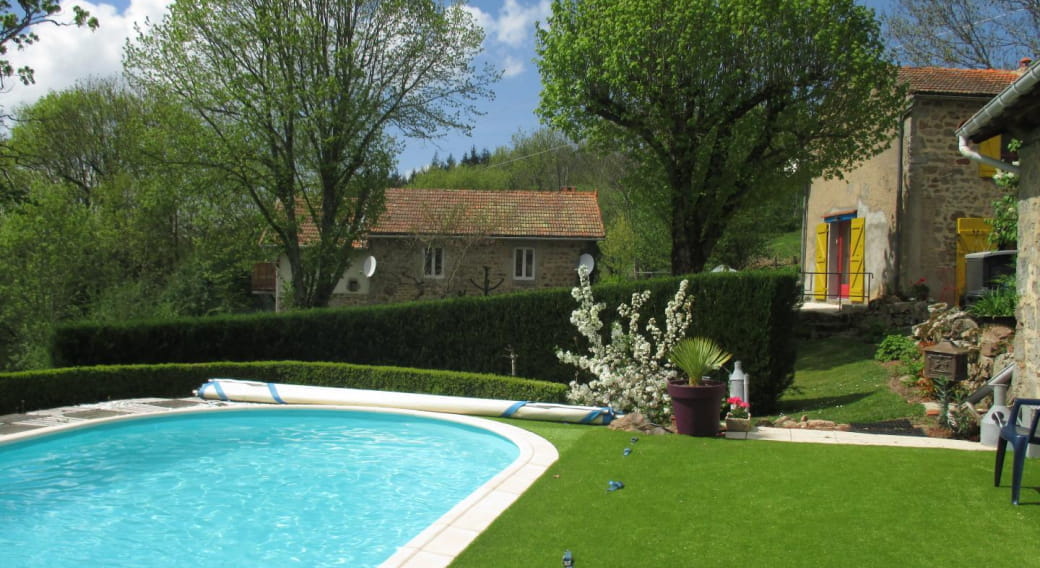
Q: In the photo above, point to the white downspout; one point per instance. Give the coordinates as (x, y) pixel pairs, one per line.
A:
(966, 150)
(1022, 87)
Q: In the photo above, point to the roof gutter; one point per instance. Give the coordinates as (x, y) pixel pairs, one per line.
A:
(993, 109)
(964, 145)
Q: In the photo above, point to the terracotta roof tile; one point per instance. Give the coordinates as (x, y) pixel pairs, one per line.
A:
(488, 213)
(941, 80)
(495, 213)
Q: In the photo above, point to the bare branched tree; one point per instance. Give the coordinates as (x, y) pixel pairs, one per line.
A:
(979, 34)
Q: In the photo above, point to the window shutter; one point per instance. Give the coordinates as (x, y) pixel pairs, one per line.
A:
(820, 279)
(857, 264)
(991, 149)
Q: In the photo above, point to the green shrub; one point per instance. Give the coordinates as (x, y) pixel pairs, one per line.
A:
(911, 367)
(897, 348)
(30, 390)
(751, 314)
(998, 302)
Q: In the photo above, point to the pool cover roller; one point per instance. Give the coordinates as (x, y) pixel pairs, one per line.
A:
(238, 390)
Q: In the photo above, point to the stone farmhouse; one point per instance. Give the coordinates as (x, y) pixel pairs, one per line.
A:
(1015, 112)
(436, 243)
(908, 215)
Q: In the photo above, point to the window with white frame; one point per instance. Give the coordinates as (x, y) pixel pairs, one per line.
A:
(433, 262)
(523, 264)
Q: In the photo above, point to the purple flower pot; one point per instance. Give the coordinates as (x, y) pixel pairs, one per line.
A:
(697, 409)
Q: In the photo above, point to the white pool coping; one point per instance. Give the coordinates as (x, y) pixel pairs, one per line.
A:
(437, 545)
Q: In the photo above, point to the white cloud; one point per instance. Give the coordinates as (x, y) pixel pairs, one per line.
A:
(482, 18)
(510, 33)
(65, 54)
(515, 24)
(511, 66)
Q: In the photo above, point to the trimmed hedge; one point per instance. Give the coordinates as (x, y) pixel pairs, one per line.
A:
(31, 390)
(752, 314)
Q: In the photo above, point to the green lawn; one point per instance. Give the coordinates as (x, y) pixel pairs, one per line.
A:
(786, 246)
(837, 379)
(716, 502)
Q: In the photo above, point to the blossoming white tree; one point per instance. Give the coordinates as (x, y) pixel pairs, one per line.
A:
(632, 370)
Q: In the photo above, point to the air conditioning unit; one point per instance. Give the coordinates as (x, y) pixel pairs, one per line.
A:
(983, 268)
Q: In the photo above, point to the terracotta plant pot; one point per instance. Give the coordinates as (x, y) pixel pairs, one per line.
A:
(697, 408)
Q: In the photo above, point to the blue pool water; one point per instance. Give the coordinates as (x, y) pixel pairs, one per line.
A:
(267, 487)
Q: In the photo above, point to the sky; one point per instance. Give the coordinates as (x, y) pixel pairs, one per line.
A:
(65, 55)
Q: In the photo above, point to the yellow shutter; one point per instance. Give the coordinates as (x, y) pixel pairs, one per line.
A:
(972, 236)
(989, 148)
(820, 279)
(857, 264)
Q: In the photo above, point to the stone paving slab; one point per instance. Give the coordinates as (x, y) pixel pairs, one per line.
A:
(856, 438)
(95, 413)
(176, 403)
(11, 425)
(6, 428)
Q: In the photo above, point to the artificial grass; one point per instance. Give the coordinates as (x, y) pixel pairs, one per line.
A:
(716, 502)
(838, 379)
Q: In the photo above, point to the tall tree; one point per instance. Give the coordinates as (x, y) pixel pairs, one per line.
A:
(982, 34)
(16, 28)
(719, 97)
(298, 96)
(111, 225)
(545, 159)
(83, 136)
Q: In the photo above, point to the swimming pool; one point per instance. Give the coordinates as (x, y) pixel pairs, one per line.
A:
(256, 487)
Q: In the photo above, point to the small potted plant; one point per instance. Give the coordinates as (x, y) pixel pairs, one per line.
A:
(696, 401)
(738, 418)
(919, 290)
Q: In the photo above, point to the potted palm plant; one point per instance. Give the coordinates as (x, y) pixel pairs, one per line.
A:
(696, 400)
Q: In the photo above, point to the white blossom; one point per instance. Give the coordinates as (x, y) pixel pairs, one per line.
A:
(632, 371)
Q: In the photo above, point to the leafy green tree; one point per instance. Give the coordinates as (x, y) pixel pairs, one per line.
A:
(119, 155)
(16, 28)
(981, 34)
(718, 98)
(462, 177)
(633, 249)
(16, 25)
(545, 159)
(81, 136)
(297, 98)
(1005, 208)
(112, 225)
(49, 272)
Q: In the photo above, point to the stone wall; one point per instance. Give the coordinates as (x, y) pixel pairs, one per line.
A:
(1027, 338)
(941, 186)
(910, 234)
(399, 274)
(989, 345)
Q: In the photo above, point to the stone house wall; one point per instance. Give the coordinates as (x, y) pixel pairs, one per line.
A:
(869, 190)
(400, 262)
(1027, 337)
(910, 197)
(940, 186)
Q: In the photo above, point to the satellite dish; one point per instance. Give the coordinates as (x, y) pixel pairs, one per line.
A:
(368, 267)
(587, 261)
